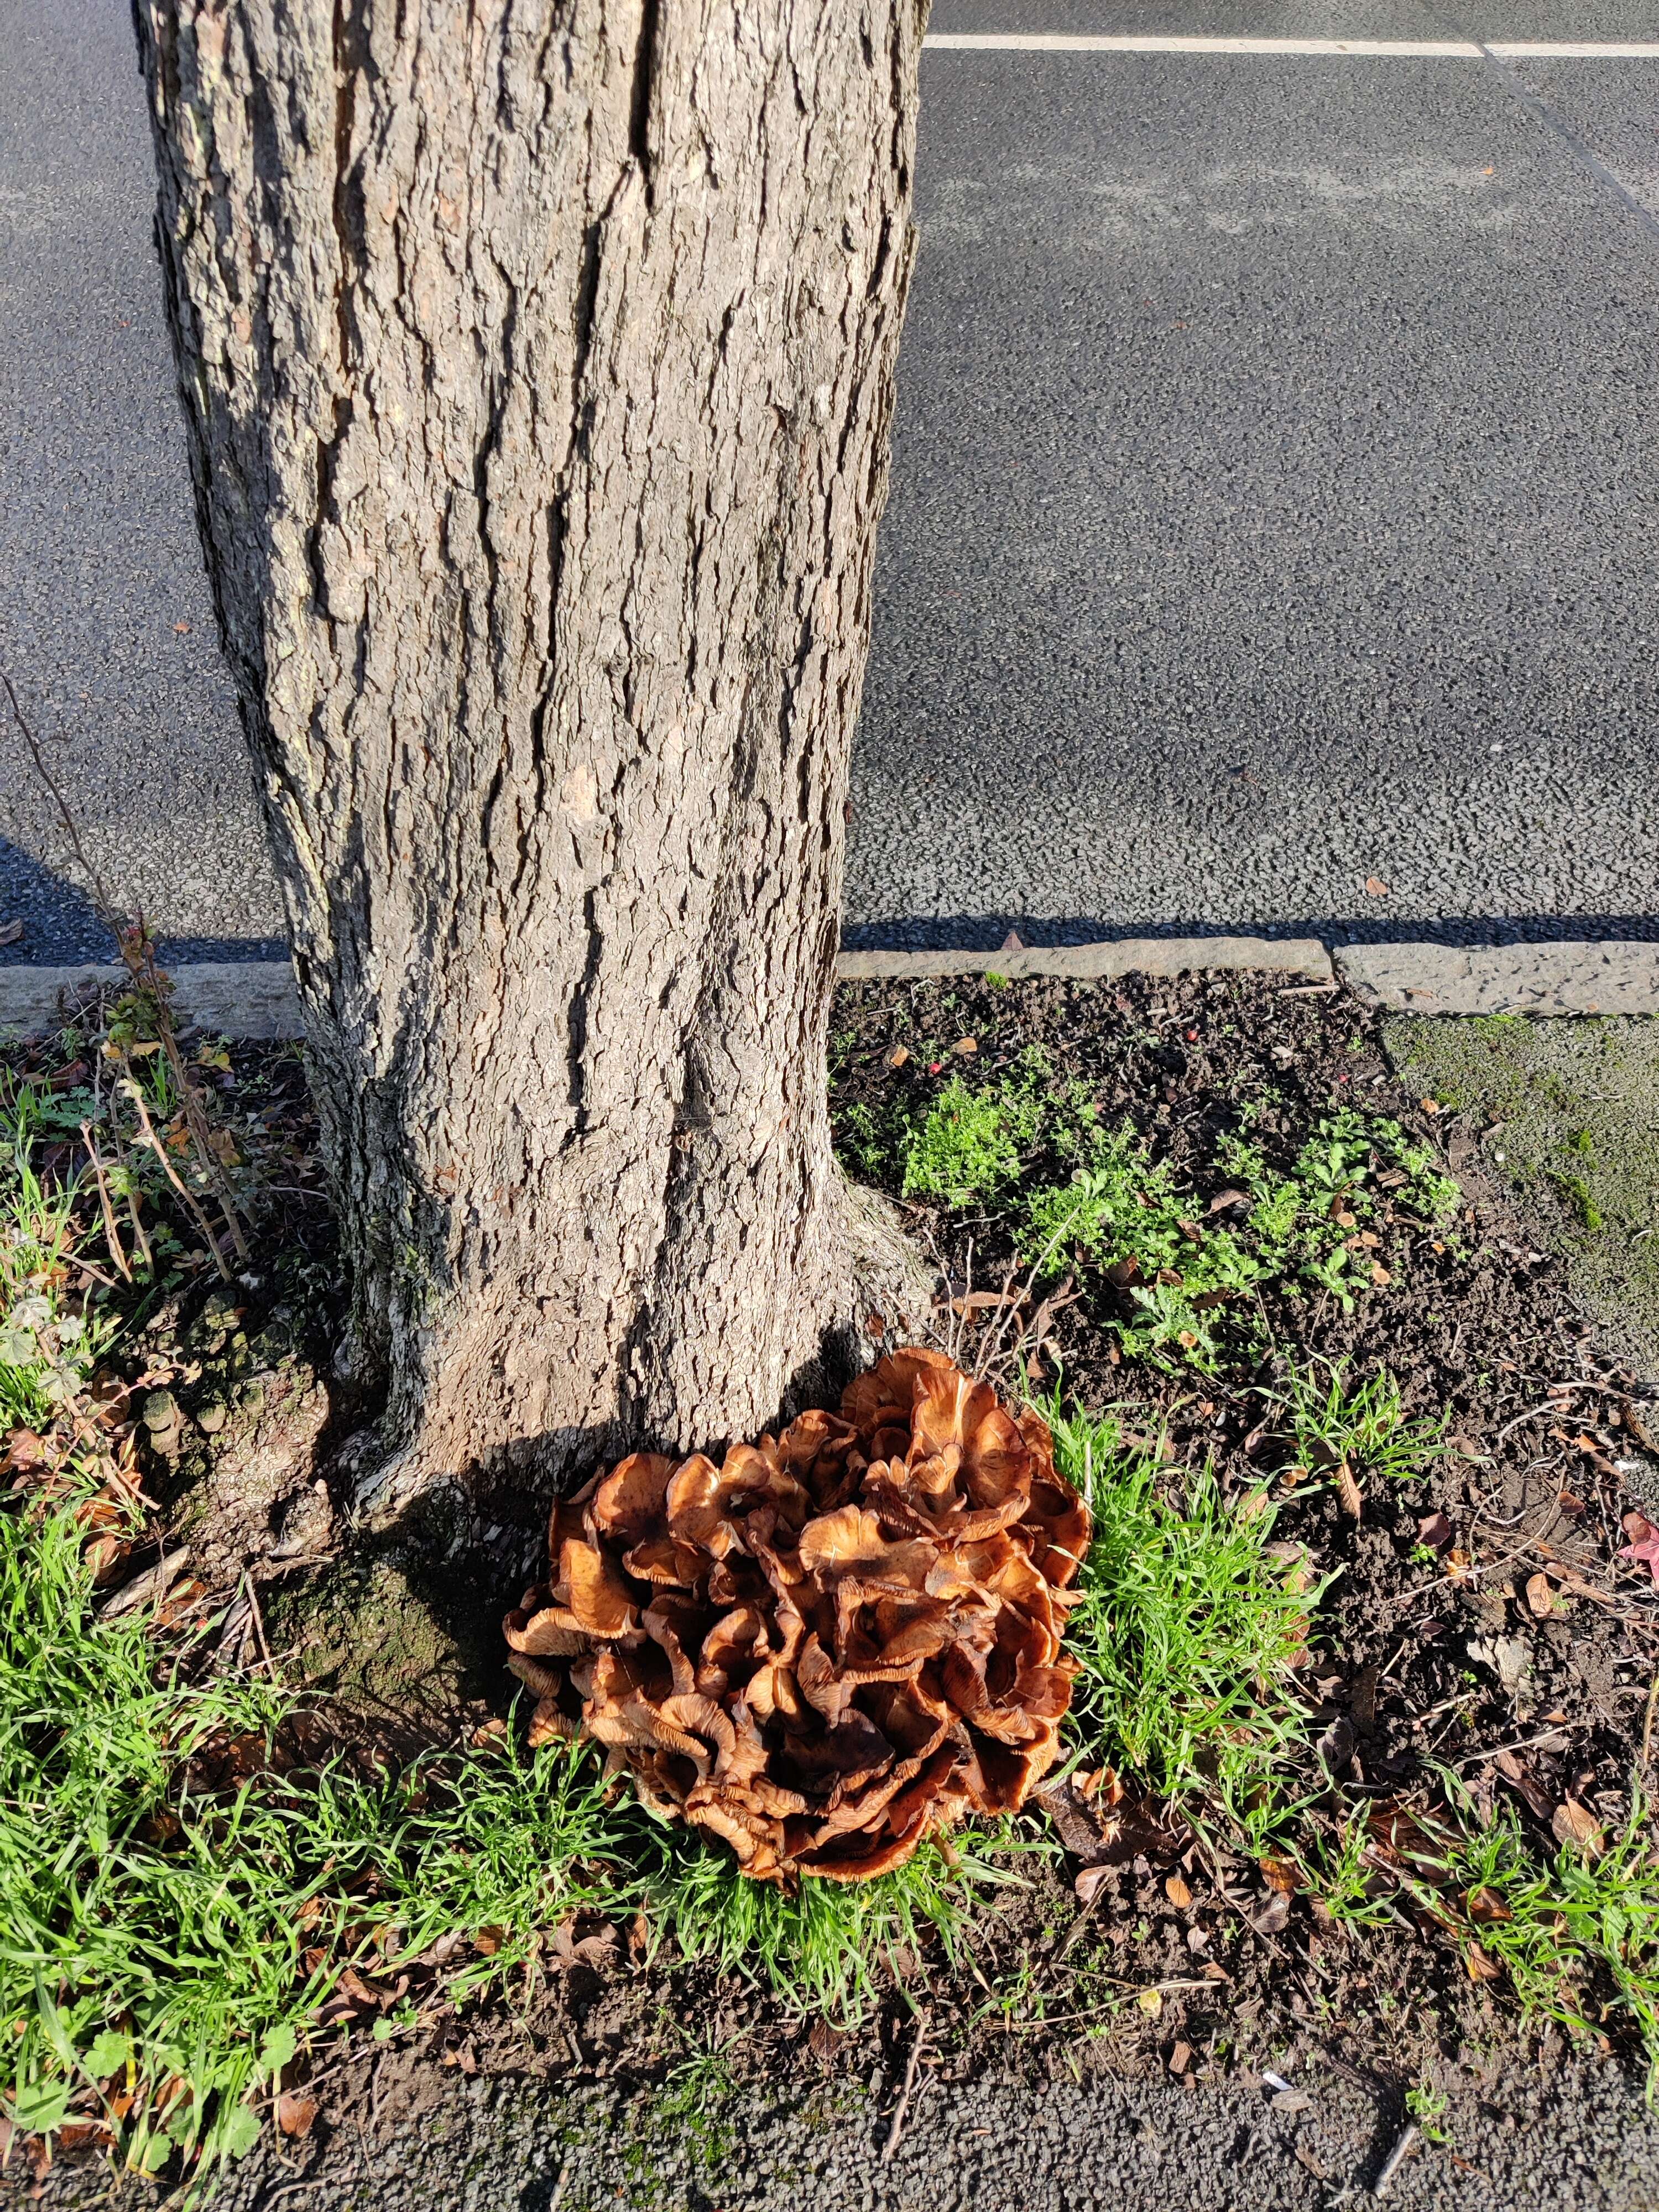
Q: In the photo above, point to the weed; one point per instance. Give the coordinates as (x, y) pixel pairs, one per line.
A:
(1332, 1420)
(1176, 1285)
(1428, 2105)
(970, 1143)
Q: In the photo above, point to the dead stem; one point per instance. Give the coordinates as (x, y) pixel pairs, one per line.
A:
(148, 1131)
(110, 1230)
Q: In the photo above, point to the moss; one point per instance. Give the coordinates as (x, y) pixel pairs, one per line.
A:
(1567, 1112)
(368, 1631)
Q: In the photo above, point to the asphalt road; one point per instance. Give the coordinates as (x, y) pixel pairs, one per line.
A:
(1274, 512)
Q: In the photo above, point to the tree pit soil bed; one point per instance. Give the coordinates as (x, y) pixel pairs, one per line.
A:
(1473, 1640)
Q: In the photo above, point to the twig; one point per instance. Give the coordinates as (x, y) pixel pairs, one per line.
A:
(1396, 2159)
(259, 1626)
(903, 2105)
(110, 1230)
(153, 1582)
(1647, 1722)
(100, 897)
(148, 1131)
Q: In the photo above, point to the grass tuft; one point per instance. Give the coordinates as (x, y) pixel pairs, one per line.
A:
(1189, 1627)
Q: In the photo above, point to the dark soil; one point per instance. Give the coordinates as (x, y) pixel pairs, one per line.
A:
(1420, 1653)
(1476, 1322)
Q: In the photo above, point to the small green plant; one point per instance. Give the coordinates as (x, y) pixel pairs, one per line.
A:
(1188, 1627)
(1428, 2105)
(1331, 1420)
(971, 1143)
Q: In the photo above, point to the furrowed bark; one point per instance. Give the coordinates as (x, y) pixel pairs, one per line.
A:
(538, 360)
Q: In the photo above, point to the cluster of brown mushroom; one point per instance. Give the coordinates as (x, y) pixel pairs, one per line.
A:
(833, 1643)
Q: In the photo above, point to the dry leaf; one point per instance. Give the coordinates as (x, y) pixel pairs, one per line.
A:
(964, 1046)
(1278, 1874)
(1178, 1894)
(1575, 1824)
(1150, 2001)
(1273, 1915)
(1540, 1596)
(1348, 1489)
(1436, 1531)
(295, 2113)
(1181, 2058)
(1482, 1967)
(1224, 1199)
(899, 1054)
(1376, 888)
(1485, 1907)
(488, 1941)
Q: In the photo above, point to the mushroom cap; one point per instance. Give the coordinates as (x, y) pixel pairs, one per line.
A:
(835, 1643)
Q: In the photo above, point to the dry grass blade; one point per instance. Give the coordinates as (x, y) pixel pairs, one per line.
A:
(112, 1234)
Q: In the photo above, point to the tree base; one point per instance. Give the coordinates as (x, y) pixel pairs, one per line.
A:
(886, 1297)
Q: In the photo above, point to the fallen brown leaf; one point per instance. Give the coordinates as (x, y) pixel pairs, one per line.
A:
(1436, 1531)
(296, 2114)
(1541, 1597)
(1482, 1966)
(1348, 1491)
(1376, 888)
(1576, 1825)
(1179, 1895)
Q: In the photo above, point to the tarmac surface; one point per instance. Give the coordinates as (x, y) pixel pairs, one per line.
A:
(1274, 514)
(1559, 2138)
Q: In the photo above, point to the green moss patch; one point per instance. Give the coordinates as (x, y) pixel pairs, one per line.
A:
(1567, 1114)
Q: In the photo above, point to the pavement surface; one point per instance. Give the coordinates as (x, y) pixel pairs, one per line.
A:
(1273, 515)
(1562, 2137)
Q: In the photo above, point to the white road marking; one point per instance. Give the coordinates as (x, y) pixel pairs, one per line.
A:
(1464, 50)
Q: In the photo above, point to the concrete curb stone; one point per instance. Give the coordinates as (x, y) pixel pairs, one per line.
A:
(255, 999)
(1608, 978)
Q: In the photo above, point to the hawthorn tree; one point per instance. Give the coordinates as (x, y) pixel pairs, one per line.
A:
(538, 358)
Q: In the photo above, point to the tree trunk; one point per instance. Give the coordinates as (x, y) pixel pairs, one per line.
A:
(538, 361)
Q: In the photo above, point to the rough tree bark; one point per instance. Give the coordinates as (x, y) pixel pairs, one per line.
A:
(538, 360)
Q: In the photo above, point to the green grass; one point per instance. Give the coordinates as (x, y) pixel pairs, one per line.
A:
(1575, 1934)
(1189, 1628)
(1330, 1418)
(172, 1941)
